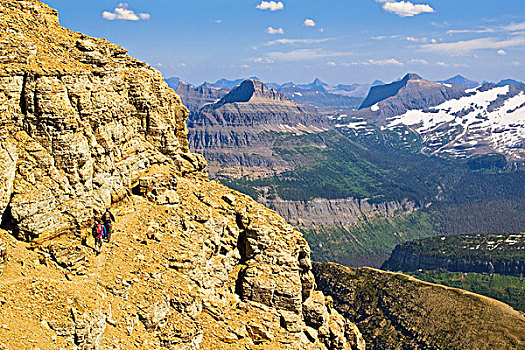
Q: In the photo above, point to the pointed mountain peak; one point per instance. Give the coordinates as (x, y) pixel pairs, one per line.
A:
(251, 90)
(412, 76)
(318, 82)
(410, 84)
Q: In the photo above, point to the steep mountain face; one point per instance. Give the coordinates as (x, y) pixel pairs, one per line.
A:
(488, 120)
(238, 129)
(509, 82)
(411, 92)
(499, 254)
(461, 80)
(194, 98)
(395, 311)
(192, 265)
(173, 82)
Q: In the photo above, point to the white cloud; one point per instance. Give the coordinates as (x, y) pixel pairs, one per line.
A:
(516, 64)
(309, 22)
(218, 21)
(383, 37)
(262, 60)
(502, 52)
(405, 8)
(386, 62)
(123, 12)
(463, 31)
(245, 66)
(515, 27)
(372, 62)
(305, 54)
(416, 40)
(442, 64)
(297, 41)
(270, 5)
(418, 61)
(474, 44)
(331, 64)
(272, 30)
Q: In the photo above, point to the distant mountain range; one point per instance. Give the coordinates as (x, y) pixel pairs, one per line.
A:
(461, 80)
(406, 148)
(317, 93)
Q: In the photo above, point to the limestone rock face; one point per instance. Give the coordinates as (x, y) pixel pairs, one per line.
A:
(192, 264)
(342, 212)
(83, 121)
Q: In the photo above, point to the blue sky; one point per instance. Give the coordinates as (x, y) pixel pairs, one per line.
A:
(340, 41)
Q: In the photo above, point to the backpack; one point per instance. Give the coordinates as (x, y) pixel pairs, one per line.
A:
(99, 230)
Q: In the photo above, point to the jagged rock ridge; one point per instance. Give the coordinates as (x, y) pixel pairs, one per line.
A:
(193, 264)
(194, 98)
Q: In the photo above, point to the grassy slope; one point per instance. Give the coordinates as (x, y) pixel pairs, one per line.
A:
(508, 289)
(395, 311)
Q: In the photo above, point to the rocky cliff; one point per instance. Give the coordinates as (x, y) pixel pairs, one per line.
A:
(192, 264)
(344, 212)
(501, 254)
(80, 122)
(395, 311)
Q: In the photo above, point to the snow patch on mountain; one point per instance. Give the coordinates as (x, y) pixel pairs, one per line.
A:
(482, 122)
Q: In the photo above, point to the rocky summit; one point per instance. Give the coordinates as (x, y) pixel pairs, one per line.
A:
(191, 265)
(236, 133)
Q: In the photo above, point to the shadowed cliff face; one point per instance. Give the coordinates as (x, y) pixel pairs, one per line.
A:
(192, 264)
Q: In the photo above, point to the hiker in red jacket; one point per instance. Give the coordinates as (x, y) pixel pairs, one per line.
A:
(98, 231)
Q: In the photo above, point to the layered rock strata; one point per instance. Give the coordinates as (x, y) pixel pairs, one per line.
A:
(240, 129)
(192, 265)
(343, 212)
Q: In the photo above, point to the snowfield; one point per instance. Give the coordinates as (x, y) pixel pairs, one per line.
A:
(485, 121)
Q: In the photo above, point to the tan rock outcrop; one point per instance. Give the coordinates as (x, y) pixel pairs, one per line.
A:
(192, 264)
(85, 120)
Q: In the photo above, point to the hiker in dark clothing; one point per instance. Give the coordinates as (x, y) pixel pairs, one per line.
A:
(98, 231)
(108, 219)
